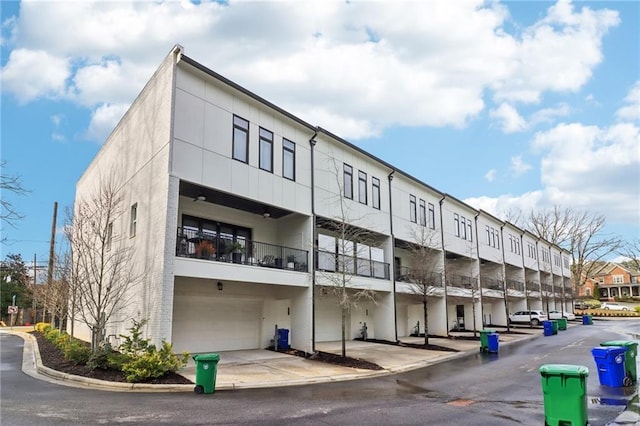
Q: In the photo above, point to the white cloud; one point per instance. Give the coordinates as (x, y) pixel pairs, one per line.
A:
(490, 176)
(371, 64)
(548, 115)
(519, 167)
(509, 118)
(104, 119)
(29, 74)
(631, 111)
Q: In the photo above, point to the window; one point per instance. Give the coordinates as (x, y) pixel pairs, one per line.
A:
(618, 279)
(288, 159)
(109, 236)
(412, 208)
(133, 220)
(240, 139)
(362, 187)
(469, 230)
(463, 227)
(375, 193)
(266, 150)
(488, 236)
(456, 224)
(423, 213)
(348, 181)
(432, 216)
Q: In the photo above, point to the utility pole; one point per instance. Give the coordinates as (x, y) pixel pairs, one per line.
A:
(34, 305)
(52, 249)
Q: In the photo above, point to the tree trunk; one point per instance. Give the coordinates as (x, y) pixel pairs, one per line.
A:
(426, 330)
(344, 332)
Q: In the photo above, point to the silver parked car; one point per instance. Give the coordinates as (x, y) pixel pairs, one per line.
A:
(528, 317)
(561, 314)
(613, 306)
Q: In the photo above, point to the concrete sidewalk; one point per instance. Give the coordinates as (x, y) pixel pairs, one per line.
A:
(263, 368)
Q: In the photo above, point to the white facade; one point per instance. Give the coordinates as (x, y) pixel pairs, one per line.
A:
(247, 216)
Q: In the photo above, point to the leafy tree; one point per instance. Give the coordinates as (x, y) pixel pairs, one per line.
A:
(14, 280)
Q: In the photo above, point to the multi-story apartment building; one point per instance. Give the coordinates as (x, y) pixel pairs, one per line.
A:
(245, 217)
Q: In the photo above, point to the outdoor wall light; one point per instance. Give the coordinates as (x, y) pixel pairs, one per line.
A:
(220, 285)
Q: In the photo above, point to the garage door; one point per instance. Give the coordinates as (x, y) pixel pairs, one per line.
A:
(205, 324)
(329, 321)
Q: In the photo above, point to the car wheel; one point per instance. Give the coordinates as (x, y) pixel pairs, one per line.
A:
(606, 308)
(625, 309)
(535, 321)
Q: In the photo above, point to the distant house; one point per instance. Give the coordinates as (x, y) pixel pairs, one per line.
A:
(613, 280)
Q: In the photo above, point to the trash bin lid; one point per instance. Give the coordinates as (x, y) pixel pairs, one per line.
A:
(563, 370)
(206, 357)
(623, 343)
(604, 351)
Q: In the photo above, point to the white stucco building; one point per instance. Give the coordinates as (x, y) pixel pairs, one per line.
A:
(231, 204)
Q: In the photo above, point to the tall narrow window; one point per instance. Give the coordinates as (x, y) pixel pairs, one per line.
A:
(240, 139)
(133, 220)
(347, 180)
(488, 236)
(463, 227)
(375, 193)
(266, 150)
(432, 216)
(470, 230)
(456, 224)
(423, 213)
(288, 159)
(412, 208)
(109, 236)
(362, 187)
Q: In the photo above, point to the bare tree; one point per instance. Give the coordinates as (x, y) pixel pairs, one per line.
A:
(631, 250)
(102, 271)
(10, 183)
(425, 273)
(55, 295)
(579, 232)
(348, 260)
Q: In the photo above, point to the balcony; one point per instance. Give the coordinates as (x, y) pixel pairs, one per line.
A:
(327, 261)
(417, 276)
(207, 246)
(515, 285)
(533, 286)
(460, 281)
(491, 283)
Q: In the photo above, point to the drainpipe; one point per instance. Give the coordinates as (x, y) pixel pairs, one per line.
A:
(475, 219)
(312, 144)
(393, 260)
(444, 268)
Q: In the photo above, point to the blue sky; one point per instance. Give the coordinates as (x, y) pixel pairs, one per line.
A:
(504, 104)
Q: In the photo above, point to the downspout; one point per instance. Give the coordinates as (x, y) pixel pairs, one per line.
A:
(444, 268)
(393, 260)
(504, 277)
(524, 269)
(312, 144)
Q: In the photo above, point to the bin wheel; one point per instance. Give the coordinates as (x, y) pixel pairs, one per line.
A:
(199, 389)
(627, 381)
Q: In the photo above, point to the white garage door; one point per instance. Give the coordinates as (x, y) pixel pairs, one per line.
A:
(203, 324)
(329, 321)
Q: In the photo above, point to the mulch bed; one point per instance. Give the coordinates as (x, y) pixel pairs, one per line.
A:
(333, 359)
(54, 359)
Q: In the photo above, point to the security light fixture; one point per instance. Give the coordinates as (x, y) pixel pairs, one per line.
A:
(220, 286)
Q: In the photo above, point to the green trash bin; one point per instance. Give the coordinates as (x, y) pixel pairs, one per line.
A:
(484, 339)
(630, 354)
(562, 323)
(206, 368)
(564, 388)
(554, 325)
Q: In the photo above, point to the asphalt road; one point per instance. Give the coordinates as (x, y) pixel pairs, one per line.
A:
(496, 389)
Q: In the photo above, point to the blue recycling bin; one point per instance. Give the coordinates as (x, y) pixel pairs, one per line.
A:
(587, 319)
(547, 327)
(610, 365)
(493, 344)
(283, 339)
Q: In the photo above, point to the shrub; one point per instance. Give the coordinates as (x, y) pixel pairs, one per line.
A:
(76, 351)
(42, 326)
(61, 340)
(99, 358)
(154, 363)
(134, 344)
(51, 334)
(637, 309)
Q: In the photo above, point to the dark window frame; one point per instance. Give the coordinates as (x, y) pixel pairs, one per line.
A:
(362, 187)
(423, 212)
(291, 150)
(246, 139)
(432, 216)
(347, 180)
(375, 192)
(268, 141)
(456, 224)
(413, 209)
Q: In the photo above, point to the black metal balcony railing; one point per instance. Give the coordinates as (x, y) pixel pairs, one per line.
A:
(202, 245)
(547, 288)
(332, 262)
(461, 281)
(418, 276)
(491, 283)
(533, 286)
(515, 285)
